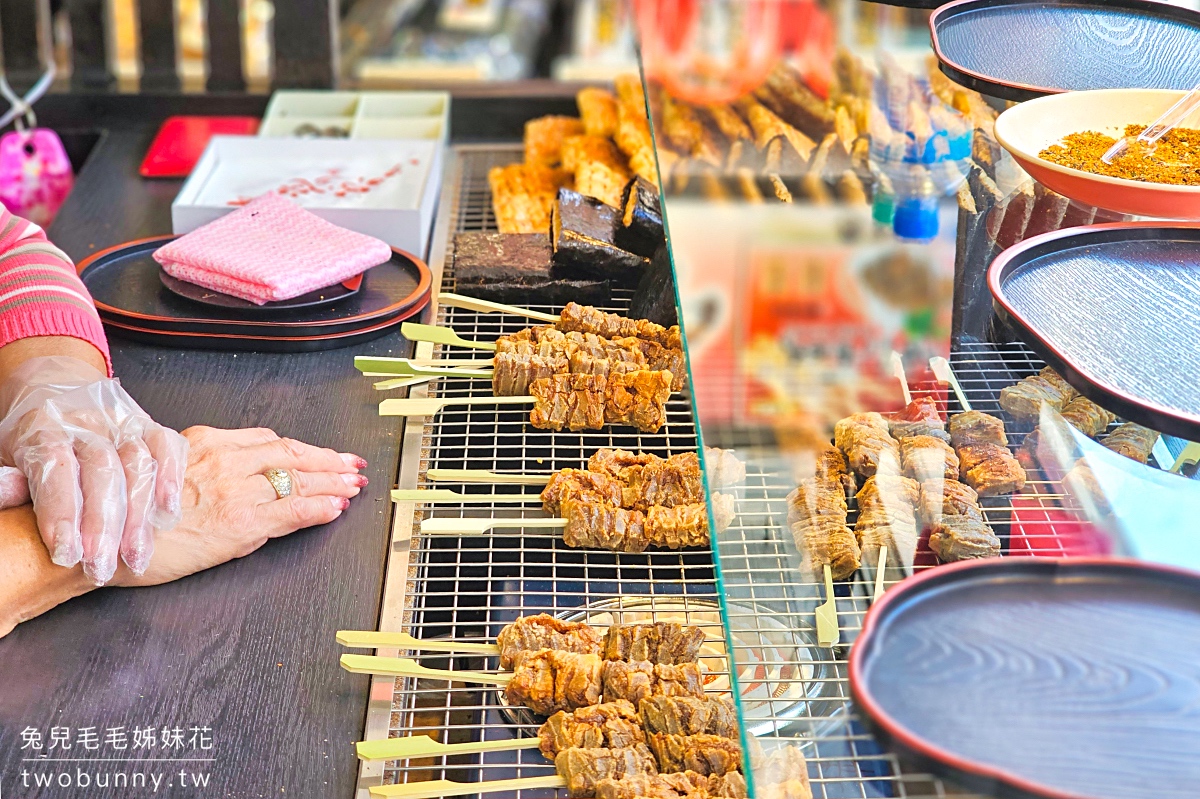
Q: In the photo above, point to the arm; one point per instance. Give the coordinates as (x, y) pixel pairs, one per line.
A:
(229, 510)
(32, 584)
(44, 307)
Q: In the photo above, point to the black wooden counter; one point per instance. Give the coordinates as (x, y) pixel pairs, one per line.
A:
(247, 648)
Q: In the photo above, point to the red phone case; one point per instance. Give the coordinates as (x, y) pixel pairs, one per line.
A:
(181, 141)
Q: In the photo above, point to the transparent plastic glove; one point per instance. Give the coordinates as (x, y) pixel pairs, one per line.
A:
(101, 473)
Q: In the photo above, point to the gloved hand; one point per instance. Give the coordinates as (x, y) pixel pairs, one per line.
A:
(101, 473)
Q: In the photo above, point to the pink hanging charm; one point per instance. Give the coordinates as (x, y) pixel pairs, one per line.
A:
(35, 174)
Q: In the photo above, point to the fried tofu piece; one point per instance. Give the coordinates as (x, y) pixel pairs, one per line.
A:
(523, 194)
(544, 138)
(598, 110)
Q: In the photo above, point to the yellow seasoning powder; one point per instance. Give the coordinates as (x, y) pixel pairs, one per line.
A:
(1175, 159)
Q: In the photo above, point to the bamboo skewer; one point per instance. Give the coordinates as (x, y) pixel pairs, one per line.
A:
(482, 476)
(372, 366)
(424, 746)
(898, 371)
(943, 372)
(487, 306)
(407, 667)
(429, 406)
(431, 789)
(472, 526)
(372, 639)
(441, 335)
(826, 615)
(432, 495)
(879, 570)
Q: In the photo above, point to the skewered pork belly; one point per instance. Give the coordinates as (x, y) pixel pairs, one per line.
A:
(588, 402)
(637, 680)
(817, 518)
(512, 373)
(920, 417)
(630, 480)
(657, 642)
(925, 457)
(685, 715)
(589, 353)
(549, 680)
(1087, 417)
(887, 517)
(1132, 440)
(594, 525)
(985, 463)
(582, 769)
(543, 631)
(963, 538)
(678, 785)
(703, 754)
(868, 445)
(586, 319)
(1025, 399)
(611, 725)
(581, 484)
(947, 498)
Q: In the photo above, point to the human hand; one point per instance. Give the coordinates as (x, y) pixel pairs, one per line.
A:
(230, 509)
(101, 473)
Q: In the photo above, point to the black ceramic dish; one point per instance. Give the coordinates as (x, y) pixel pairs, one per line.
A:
(1022, 49)
(1040, 677)
(124, 281)
(1116, 309)
(313, 299)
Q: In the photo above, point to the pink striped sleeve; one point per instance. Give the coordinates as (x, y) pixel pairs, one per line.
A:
(40, 294)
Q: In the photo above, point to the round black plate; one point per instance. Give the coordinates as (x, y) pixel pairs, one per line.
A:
(1116, 309)
(1039, 677)
(124, 281)
(1022, 49)
(313, 299)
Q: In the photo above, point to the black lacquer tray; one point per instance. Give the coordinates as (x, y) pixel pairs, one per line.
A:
(1022, 49)
(1040, 677)
(1115, 308)
(131, 298)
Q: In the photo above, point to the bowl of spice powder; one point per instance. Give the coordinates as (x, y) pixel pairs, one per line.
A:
(1060, 139)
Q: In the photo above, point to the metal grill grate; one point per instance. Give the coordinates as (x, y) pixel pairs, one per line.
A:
(467, 588)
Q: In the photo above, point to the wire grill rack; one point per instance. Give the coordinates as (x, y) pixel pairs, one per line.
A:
(467, 588)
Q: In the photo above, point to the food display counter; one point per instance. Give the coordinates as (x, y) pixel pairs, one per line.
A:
(829, 244)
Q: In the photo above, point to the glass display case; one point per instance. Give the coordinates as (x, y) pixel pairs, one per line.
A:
(833, 206)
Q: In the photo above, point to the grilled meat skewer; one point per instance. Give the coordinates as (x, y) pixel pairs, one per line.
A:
(686, 715)
(678, 785)
(589, 401)
(986, 465)
(920, 417)
(887, 517)
(1025, 399)
(703, 754)
(609, 725)
(817, 518)
(659, 642)
(868, 445)
(583, 769)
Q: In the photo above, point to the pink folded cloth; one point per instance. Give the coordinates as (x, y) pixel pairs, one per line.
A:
(270, 249)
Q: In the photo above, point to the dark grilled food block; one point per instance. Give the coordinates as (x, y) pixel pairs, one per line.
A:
(639, 679)
(516, 268)
(703, 754)
(550, 680)
(963, 538)
(676, 785)
(685, 715)
(674, 481)
(595, 525)
(679, 527)
(611, 725)
(827, 539)
(580, 484)
(868, 445)
(512, 374)
(990, 469)
(976, 427)
(654, 297)
(582, 769)
(1132, 441)
(638, 399)
(1025, 399)
(947, 498)
(926, 457)
(583, 234)
(586, 319)
(1087, 417)
(567, 400)
(657, 642)
(543, 631)
(641, 228)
